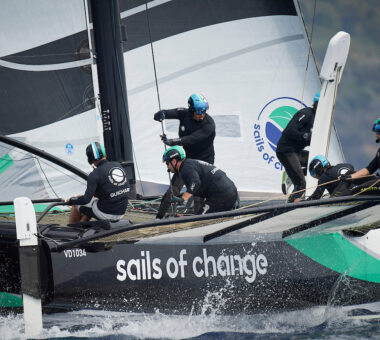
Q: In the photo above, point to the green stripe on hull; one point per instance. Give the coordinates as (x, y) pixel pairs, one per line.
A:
(337, 253)
(37, 207)
(5, 163)
(10, 300)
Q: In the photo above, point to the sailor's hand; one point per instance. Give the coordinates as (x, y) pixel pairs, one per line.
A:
(297, 200)
(166, 140)
(345, 178)
(70, 200)
(159, 116)
(175, 199)
(307, 136)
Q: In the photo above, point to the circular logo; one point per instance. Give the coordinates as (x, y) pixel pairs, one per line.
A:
(271, 121)
(69, 148)
(117, 176)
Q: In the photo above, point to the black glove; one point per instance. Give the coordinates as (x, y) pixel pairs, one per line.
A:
(166, 140)
(159, 116)
(345, 178)
(307, 136)
(175, 199)
(171, 142)
(71, 200)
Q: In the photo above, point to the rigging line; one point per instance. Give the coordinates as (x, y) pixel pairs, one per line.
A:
(47, 180)
(310, 51)
(174, 207)
(60, 171)
(41, 160)
(366, 189)
(296, 192)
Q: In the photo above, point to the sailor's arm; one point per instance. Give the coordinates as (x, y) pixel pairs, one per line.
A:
(361, 173)
(168, 114)
(295, 125)
(197, 136)
(90, 191)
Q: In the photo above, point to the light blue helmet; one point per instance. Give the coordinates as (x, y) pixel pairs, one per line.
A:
(198, 103)
(376, 126)
(317, 164)
(316, 97)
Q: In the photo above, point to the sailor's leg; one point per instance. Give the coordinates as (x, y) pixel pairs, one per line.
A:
(177, 184)
(198, 201)
(292, 165)
(224, 202)
(74, 214)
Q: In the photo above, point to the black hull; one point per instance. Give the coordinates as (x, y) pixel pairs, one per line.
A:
(274, 276)
(286, 284)
(306, 257)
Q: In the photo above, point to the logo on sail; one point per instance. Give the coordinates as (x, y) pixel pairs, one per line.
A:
(69, 148)
(270, 123)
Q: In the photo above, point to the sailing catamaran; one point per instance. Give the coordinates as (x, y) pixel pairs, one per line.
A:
(252, 260)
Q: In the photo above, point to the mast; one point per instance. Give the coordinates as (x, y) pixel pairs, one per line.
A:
(113, 92)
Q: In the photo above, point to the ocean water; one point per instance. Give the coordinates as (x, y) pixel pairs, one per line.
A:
(358, 322)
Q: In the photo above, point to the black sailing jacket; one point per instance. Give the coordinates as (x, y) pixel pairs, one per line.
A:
(196, 137)
(205, 180)
(292, 138)
(108, 182)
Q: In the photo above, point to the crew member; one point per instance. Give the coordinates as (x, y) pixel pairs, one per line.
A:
(371, 185)
(327, 176)
(201, 179)
(295, 137)
(196, 135)
(106, 196)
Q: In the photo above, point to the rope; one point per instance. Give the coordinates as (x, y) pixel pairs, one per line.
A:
(310, 48)
(302, 190)
(364, 190)
(163, 127)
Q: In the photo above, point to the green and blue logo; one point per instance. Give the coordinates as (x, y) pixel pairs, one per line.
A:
(271, 121)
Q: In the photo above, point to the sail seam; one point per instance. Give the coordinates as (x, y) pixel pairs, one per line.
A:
(215, 60)
(47, 67)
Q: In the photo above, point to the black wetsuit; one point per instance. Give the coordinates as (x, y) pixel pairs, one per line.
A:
(375, 163)
(197, 138)
(207, 181)
(108, 182)
(290, 145)
(371, 186)
(331, 174)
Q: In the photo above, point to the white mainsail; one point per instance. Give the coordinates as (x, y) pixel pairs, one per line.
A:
(249, 58)
(252, 71)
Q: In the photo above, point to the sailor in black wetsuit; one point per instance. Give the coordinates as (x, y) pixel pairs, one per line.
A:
(196, 135)
(371, 186)
(106, 196)
(294, 139)
(201, 179)
(321, 169)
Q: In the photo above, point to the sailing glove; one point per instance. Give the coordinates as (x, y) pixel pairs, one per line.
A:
(175, 199)
(71, 200)
(346, 178)
(307, 136)
(171, 142)
(159, 116)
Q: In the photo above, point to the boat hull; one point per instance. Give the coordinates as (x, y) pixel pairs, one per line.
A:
(225, 278)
